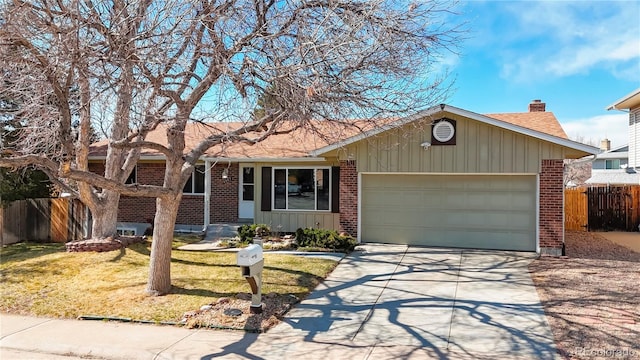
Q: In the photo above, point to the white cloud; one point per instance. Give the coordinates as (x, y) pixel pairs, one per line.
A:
(558, 39)
(613, 127)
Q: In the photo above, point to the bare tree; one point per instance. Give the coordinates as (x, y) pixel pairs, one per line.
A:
(578, 171)
(56, 62)
(162, 64)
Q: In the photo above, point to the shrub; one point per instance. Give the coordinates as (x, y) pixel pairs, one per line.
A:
(248, 232)
(324, 239)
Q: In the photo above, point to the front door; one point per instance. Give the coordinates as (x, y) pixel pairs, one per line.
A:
(247, 191)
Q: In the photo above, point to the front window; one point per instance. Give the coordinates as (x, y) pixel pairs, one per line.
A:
(301, 189)
(612, 164)
(195, 184)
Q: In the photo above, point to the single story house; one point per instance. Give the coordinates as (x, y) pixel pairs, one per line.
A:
(444, 177)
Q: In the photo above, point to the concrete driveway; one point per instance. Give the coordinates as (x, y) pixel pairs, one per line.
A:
(382, 302)
(395, 301)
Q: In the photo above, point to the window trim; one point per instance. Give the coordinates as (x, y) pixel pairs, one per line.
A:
(120, 230)
(193, 183)
(315, 187)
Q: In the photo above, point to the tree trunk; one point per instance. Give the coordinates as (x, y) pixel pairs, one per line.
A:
(105, 220)
(160, 262)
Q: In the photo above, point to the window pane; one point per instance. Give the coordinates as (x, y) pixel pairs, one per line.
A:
(280, 189)
(247, 175)
(301, 189)
(247, 192)
(132, 177)
(322, 186)
(188, 187)
(198, 176)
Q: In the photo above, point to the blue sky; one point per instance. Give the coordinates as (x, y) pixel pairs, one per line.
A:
(577, 57)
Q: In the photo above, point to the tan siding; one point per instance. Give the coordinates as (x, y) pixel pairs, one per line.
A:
(480, 148)
(290, 221)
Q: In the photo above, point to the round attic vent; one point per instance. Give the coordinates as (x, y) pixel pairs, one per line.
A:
(443, 131)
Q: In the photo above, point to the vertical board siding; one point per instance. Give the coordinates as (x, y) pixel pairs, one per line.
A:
(480, 148)
(290, 221)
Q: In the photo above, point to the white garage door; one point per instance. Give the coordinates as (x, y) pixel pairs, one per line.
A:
(484, 212)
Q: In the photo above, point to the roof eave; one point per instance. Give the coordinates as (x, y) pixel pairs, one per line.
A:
(265, 159)
(626, 102)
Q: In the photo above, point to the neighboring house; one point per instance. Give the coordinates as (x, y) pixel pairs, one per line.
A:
(621, 165)
(612, 168)
(444, 177)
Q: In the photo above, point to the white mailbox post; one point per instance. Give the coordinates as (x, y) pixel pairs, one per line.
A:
(251, 263)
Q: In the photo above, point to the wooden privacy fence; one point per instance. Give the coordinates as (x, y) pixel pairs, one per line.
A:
(56, 220)
(603, 208)
(575, 209)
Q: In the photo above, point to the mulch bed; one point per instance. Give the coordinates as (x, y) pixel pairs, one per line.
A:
(592, 298)
(235, 313)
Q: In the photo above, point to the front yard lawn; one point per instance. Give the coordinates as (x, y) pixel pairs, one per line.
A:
(592, 298)
(44, 280)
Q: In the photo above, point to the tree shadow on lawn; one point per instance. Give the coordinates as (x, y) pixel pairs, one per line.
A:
(28, 250)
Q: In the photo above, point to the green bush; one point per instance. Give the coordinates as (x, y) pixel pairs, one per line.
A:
(248, 232)
(324, 239)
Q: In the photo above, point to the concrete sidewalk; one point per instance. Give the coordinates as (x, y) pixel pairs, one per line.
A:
(382, 302)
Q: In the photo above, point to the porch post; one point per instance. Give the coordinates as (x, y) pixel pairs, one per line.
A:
(207, 193)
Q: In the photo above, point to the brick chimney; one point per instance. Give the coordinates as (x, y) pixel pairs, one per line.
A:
(537, 105)
(605, 145)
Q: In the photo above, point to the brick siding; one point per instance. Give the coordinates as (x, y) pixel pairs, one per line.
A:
(224, 194)
(224, 200)
(551, 207)
(349, 197)
(138, 209)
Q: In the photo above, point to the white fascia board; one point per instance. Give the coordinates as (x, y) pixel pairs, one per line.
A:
(143, 157)
(254, 160)
(468, 114)
(620, 104)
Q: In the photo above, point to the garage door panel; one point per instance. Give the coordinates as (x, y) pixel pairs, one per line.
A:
(493, 212)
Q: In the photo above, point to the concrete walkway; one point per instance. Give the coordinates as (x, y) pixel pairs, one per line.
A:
(382, 302)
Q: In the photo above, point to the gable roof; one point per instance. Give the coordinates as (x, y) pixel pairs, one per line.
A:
(540, 125)
(305, 144)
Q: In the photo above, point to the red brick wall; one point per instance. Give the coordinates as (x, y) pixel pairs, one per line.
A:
(551, 207)
(142, 210)
(224, 194)
(349, 197)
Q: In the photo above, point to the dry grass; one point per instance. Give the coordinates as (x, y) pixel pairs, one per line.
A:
(592, 298)
(44, 280)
